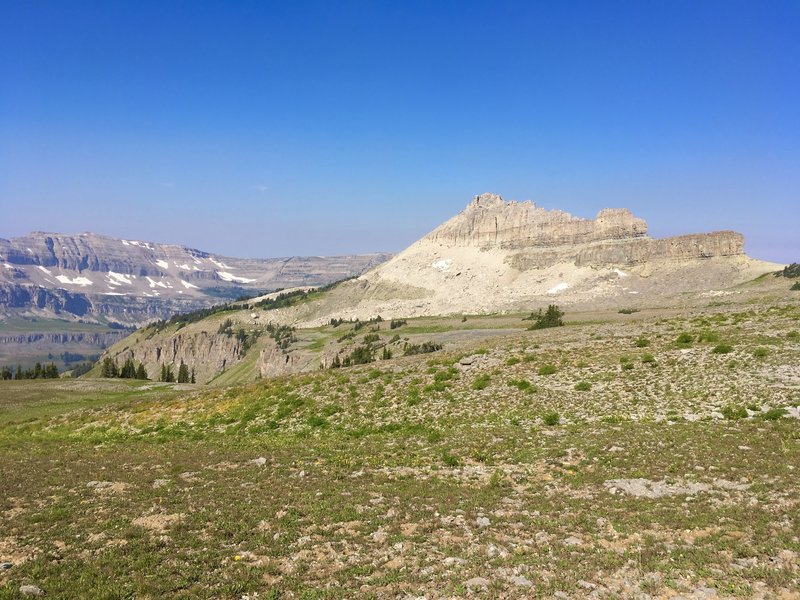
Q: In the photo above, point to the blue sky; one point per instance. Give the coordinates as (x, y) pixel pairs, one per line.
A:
(273, 129)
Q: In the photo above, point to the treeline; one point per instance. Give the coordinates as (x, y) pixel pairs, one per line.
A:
(130, 370)
(791, 271)
(367, 352)
(38, 371)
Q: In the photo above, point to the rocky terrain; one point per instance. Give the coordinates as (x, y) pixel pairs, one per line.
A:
(498, 255)
(494, 256)
(650, 455)
(104, 279)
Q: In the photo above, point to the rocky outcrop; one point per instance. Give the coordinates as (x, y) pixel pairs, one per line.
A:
(490, 222)
(207, 353)
(273, 361)
(497, 255)
(545, 237)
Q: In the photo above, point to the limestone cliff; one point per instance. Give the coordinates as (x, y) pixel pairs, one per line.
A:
(497, 255)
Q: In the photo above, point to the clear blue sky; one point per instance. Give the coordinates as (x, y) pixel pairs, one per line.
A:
(272, 129)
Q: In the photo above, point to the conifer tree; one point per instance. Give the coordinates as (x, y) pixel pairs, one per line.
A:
(141, 373)
(183, 373)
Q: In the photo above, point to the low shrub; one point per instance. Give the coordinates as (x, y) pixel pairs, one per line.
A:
(481, 382)
(733, 412)
(583, 386)
(773, 414)
(551, 418)
(722, 349)
(547, 369)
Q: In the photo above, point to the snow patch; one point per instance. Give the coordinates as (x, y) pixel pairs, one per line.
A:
(221, 265)
(188, 285)
(8, 266)
(185, 267)
(77, 281)
(113, 294)
(558, 288)
(442, 265)
(228, 277)
(43, 270)
(155, 283)
(163, 264)
(118, 278)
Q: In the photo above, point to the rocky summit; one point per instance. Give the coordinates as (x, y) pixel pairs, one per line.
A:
(500, 255)
(100, 278)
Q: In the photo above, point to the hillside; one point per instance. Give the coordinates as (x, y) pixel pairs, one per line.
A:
(651, 455)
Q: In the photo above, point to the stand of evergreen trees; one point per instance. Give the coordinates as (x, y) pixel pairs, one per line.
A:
(38, 371)
(129, 370)
(184, 375)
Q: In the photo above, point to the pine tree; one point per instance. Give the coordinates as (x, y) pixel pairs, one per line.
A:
(183, 373)
(141, 373)
(167, 374)
(193, 379)
(109, 368)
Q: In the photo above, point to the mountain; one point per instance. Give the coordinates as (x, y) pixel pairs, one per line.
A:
(493, 257)
(104, 279)
(497, 255)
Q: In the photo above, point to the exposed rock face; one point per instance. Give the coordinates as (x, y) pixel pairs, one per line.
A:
(207, 353)
(102, 278)
(490, 222)
(497, 255)
(272, 361)
(615, 236)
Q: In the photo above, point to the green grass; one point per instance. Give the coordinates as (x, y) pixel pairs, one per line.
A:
(379, 480)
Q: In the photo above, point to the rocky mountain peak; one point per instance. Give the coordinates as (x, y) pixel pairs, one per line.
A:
(490, 221)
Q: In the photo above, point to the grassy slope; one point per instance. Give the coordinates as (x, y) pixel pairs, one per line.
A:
(413, 477)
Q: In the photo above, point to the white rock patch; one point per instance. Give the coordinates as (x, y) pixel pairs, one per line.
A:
(442, 265)
(77, 281)
(559, 288)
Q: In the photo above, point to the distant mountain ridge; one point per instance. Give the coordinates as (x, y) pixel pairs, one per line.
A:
(100, 278)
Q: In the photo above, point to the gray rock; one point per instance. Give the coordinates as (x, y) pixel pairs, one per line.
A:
(5, 566)
(482, 522)
(521, 581)
(31, 590)
(477, 583)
